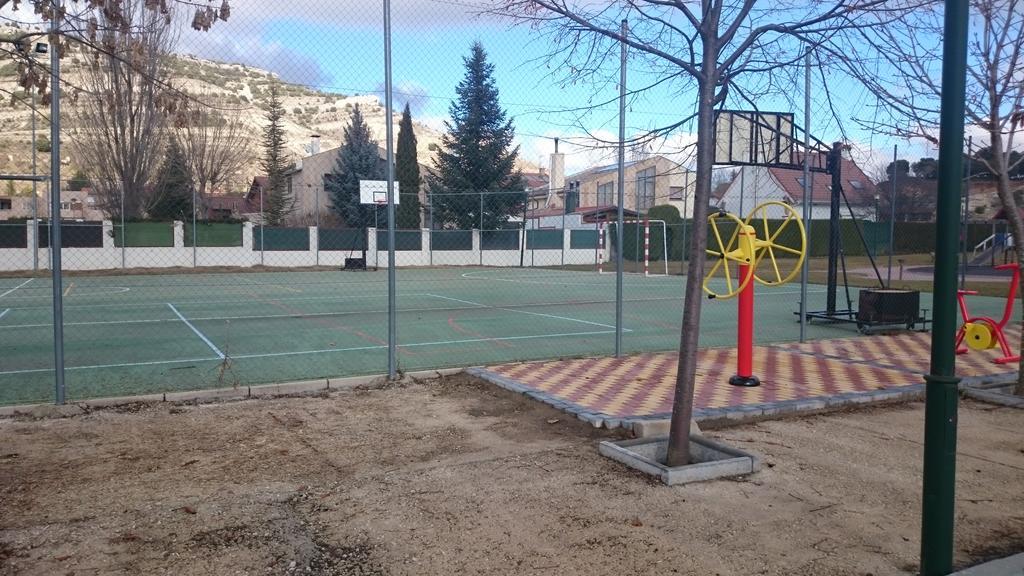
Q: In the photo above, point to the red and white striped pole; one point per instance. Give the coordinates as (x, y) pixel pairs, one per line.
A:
(647, 247)
(600, 247)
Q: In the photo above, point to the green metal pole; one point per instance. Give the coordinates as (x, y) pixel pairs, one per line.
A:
(939, 484)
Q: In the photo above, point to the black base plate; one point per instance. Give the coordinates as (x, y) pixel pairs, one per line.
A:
(745, 381)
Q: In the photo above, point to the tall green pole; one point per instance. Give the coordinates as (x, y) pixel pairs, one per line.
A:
(941, 388)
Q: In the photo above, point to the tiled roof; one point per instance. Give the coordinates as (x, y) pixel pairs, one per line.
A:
(858, 188)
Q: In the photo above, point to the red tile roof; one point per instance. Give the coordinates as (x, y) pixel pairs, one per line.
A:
(858, 188)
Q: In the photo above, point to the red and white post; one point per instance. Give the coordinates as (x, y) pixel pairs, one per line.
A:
(600, 247)
(647, 247)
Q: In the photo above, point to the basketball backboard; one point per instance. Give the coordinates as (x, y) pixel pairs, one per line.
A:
(375, 192)
(750, 138)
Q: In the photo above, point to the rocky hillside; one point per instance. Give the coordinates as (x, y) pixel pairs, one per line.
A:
(308, 112)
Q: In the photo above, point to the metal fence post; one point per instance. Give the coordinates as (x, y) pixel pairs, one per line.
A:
(622, 195)
(55, 242)
(389, 132)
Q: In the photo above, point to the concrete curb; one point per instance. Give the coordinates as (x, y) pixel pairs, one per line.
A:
(656, 424)
(220, 394)
(1009, 566)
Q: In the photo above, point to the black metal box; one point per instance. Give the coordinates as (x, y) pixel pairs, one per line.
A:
(355, 263)
(888, 306)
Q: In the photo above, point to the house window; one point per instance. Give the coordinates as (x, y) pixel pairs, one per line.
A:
(6, 204)
(675, 192)
(856, 184)
(606, 194)
(645, 189)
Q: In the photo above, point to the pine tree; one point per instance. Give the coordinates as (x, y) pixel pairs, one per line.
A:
(476, 155)
(358, 159)
(407, 174)
(278, 202)
(173, 187)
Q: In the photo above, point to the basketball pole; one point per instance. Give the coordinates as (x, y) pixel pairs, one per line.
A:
(389, 135)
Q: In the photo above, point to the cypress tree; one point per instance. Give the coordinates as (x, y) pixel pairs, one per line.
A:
(173, 187)
(477, 155)
(407, 174)
(358, 159)
(278, 202)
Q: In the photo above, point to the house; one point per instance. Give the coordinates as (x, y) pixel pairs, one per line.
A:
(228, 206)
(74, 205)
(756, 184)
(305, 181)
(649, 182)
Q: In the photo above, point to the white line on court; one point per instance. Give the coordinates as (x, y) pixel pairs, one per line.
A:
(528, 312)
(235, 301)
(339, 313)
(311, 352)
(4, 313)
(16, 287)
(101, 366)
(196, 330)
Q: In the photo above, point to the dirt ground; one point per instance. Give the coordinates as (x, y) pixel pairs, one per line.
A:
(457, 477)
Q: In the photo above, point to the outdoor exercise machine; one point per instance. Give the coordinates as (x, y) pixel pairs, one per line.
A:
(757, 240)
(982, 332)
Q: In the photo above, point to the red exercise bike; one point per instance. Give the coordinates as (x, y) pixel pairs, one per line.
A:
(982, 332)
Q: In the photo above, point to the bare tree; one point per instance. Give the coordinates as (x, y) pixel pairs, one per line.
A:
(706, 47)
(121, 121)
(910, 90)
(216, 142)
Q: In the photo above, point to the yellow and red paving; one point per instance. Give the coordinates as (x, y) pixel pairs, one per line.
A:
(642, 386)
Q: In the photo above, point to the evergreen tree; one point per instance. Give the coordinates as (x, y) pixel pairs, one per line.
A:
(278, 202)
(173, 187)
(358, 159)
(476, 155)
(407, 174)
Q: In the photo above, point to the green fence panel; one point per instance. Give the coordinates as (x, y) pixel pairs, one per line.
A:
(14, 234)
(583, 239)
(405, 240)
(499, 240)
(342, 239)
(544, 239)
(145, 234)
(280, 238)
(214, 234)
(451, 240)
(74, 235)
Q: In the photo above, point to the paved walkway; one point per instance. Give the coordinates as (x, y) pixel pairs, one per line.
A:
(794, 376)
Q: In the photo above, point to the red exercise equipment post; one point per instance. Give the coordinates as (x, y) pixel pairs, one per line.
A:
(982, 332)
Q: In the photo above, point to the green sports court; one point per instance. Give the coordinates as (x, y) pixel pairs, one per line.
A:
(139, 334)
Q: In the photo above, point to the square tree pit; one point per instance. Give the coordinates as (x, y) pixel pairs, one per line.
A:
(710, 460)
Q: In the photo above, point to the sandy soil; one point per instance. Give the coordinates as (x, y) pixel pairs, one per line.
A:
(456, 477)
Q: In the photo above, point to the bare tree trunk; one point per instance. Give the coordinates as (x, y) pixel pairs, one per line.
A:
(686, 374)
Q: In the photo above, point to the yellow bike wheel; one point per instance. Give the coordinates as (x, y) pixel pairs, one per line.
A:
(771, 269)
(725, 257)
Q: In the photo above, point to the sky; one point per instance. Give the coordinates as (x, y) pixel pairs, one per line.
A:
(338, 47)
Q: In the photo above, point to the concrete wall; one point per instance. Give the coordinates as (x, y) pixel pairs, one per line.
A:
(111, 257)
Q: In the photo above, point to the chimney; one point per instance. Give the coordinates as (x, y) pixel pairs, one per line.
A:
(314, 144)
(556, 174)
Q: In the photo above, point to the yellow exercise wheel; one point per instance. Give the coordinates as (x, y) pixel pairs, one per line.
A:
(780, 254)
(726, 256)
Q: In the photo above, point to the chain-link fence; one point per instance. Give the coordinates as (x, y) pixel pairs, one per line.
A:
(216, 229)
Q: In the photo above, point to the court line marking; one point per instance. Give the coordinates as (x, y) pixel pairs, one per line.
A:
(4, 313)
(528, 312)
(16, 287)
(342, 313)
(311, 352)
(233, 301)
(68, 289)
(196, 330)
